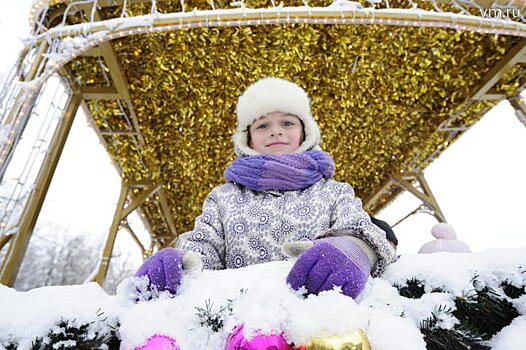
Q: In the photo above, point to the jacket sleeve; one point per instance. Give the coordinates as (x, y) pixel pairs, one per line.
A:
(349, 219)
(207, 237)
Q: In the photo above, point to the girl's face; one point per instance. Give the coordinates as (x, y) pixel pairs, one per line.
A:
(276, 133)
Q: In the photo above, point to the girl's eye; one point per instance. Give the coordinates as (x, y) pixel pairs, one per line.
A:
(287, 123)
(261, 126)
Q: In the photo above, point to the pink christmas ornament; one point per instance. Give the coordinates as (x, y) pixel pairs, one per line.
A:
(446, 241)
(237, 341)
(159, 342)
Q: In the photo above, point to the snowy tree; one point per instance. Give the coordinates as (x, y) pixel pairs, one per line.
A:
(57, 257)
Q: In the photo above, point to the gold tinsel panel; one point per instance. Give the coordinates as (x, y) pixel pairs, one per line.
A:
(127, 155)
(88, 71)
(512, 80)
(158, 225)
(379, 94)
(125, 150)
(108, 115)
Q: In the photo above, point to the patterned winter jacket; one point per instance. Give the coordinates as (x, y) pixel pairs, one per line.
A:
(240, 227)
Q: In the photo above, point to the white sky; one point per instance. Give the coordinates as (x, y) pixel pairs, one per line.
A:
(478, 181)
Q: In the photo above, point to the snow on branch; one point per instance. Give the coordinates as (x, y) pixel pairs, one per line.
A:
(478, 300)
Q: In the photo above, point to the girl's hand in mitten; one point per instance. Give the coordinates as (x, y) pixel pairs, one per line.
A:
(165, 268)
(329, 262)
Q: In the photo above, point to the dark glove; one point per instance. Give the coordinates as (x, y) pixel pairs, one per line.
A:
(329, 262)
(164, 269)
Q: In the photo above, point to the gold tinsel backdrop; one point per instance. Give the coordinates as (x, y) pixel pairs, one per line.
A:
(378, 92)
(185, 84)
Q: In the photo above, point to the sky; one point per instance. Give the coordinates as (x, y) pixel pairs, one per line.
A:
(478, 181)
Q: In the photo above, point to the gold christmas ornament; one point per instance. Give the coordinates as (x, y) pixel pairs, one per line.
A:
(354, 340)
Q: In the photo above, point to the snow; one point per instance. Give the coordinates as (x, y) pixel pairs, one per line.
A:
(393, 333)
(512, 336)
(27, 315)
(258, 297)
(456, 271)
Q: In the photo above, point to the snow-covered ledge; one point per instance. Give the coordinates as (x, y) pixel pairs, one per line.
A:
(258, 297)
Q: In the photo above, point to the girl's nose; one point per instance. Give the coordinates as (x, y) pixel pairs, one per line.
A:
(276, 131)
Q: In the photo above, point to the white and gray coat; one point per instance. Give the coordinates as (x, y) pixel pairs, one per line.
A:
(240, 227)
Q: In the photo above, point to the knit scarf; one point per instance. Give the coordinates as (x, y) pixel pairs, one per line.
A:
(294, 171)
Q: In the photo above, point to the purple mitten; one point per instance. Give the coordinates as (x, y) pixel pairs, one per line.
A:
(333, 261)
(164, 269)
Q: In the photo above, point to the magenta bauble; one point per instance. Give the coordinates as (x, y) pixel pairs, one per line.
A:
(159, 342)
(237, 341)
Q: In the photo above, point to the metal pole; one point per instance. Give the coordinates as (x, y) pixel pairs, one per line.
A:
(4, 239)
(110, 242)
(427, 197)
(20, 100)
(28, 219)
(517, 102)
(121, 212)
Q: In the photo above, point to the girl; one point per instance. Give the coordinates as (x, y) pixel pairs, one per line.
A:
(279, 200)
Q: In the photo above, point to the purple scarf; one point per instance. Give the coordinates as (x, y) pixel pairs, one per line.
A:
(294, 171)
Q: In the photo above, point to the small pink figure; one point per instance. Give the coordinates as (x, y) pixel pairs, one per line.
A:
(237, 341)
(446, 241)
(159, 342)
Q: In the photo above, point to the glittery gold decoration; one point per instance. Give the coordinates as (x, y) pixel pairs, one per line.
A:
(88, 71)
(55, 14)
(379, 94)
(355, 340)
(512, 80)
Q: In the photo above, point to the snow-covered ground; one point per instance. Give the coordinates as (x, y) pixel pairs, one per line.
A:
(258, 297)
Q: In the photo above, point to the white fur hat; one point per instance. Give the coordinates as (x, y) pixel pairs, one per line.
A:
(274, 95)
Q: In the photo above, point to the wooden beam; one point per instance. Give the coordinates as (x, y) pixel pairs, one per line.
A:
(104, 263)
(369, 202)
(492, 94)
(519, 105)
(427, 197)
(143, 196)
(134, 237)
(123, 133)
(166, 211)
(4, 239)
(105, 49)
(120, 82)
(431, 198)
(21, 99)
(99, 93)
(115, 70)
(93, 52)
(29, 216)
(511, 58)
